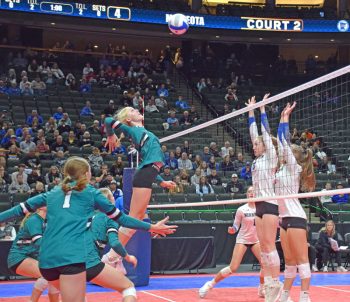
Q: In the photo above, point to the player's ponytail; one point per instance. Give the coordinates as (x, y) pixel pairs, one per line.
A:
(75, 171)
(307, 176)
(25, 219)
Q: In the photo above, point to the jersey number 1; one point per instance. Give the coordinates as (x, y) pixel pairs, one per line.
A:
(66, 203)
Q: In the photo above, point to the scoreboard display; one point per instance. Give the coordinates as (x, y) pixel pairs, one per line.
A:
(117, 13)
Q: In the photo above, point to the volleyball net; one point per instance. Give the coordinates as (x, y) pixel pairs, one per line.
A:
(319, 123)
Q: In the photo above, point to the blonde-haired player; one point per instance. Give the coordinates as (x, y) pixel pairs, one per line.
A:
(130, 122)
(246, 238)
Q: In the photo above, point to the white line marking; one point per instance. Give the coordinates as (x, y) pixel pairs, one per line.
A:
(336, 289)
(160, 297)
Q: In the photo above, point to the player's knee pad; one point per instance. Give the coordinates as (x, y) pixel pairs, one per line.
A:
(226, 271)
(131, 291)
(290, 272)
(41, 284)
(127, 232)
(273, 259)
(53, 290)
(304, 270)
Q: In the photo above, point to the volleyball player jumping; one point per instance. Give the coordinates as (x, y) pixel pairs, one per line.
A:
(130, 122)
(246, 238)
(263, 174)
(296, 171)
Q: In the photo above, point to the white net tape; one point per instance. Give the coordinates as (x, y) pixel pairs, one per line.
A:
(259, 199)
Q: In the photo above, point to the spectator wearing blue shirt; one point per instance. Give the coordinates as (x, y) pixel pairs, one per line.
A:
(340, 198)
(14, 90)
(246, 172)
(204, 187)
(117, 195)
(59, 114)
(206, 155)
(87, 111)
(172, 120)
(85, 87)
(165, 152)
(172, 161)
(162, 91)
(19, 130)
(30, 118)
(180, 103)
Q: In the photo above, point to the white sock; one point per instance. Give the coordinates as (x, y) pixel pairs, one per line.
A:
(284, 295)
(304, 296)
(212, 282)
(268, 280)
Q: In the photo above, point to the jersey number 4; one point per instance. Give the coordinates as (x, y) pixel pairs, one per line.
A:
(66, 203)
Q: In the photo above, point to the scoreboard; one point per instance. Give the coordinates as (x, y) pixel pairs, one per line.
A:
(117, 13)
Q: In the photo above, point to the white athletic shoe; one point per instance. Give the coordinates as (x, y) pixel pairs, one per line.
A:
(273, 291)
(261, 291)
(314, 268)
(325, 269)
(203, 291)
(341, 269)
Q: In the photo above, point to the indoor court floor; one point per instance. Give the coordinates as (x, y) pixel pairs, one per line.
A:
(184, 288)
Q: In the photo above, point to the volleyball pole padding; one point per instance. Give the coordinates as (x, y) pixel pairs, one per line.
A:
(140, 244)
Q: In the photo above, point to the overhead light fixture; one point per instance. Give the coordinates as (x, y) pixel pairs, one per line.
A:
(53, 23)
(217, 37)
(289, 39)
(95, 46)
(316, 56)
(332, 40)
(113, 28)
(260, 39)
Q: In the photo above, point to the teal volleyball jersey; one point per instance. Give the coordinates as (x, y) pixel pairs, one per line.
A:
(67, 238)
(145, 141)
(28, 239)
(105, 231)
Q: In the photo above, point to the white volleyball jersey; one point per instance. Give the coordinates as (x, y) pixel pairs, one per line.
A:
(288, 177)
(245, 218)
(264, 167)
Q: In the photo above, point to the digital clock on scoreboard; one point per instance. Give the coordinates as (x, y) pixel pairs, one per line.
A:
(56, 7)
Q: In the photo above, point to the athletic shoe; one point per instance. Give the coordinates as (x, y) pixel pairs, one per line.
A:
(341, 269)
(120, 266)
(305, 300)
(203, 291)
(325, 269)
(273, 291)
(261, 291)
(314, 268)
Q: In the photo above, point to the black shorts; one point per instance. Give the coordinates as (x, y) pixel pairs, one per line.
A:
(52, 274)
(263, 207)
(145, 177)
(249, 246)
(14, 268)
(93, 272)
(293, 223)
